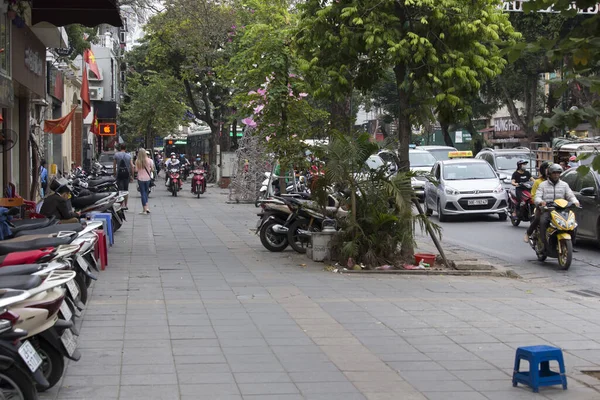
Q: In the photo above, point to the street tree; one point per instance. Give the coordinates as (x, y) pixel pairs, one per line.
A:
(155, 107)
(187, 42)
(439, 50)
(269, 92)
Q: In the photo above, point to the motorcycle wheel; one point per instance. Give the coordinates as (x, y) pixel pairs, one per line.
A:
(116, 224)
(299, 244)
(16, 384)
(53, 363)
(565, 254)
(515, 221)
(270, 240)
(502, 216)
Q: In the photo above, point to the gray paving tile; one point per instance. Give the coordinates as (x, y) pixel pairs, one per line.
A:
(267, 388)
(155, 392)
(209, 389)
(261, 377)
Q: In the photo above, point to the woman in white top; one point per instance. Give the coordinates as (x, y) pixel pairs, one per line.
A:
(144, 167)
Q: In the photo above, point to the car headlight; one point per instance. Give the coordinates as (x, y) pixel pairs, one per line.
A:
(499, 189)
(451, 191)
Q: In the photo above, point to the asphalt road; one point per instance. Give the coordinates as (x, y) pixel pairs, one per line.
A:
(489, 237)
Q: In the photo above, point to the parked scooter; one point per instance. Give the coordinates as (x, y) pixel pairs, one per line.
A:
(559, 234)
(198, 182)
(50, 336)
(271, 225)
(526, 207)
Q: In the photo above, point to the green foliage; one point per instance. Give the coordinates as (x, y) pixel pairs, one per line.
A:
(381, 217)
(155, 108)
(77, 42)
(263, 69)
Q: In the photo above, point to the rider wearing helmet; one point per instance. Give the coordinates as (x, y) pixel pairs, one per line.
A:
(550, 190)
(198, 162)
(538, 213)
(57, 205)
(172, 162)
(521, 175)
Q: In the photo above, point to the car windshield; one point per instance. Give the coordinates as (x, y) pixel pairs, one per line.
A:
(421, 159)
(106, 158)
(459, 172)
(508, 162)
(441, 154)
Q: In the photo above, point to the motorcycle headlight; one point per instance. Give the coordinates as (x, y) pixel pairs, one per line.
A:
(561, 223)
(499, 189)
(451, 191)
(571, 221)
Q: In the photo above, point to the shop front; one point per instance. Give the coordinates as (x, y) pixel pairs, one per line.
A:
(6, 102)
(506, 134)
(28, 61)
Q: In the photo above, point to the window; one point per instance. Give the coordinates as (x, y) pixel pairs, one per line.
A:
(467, 171)
(588, 181)
(508, 162)
(436, 172)
(5, 44)
(570, 178)
(441, 154)
(421, 159)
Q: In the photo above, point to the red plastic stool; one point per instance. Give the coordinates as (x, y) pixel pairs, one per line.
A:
(101, 249)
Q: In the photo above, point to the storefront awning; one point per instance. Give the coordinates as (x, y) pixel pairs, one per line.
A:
(84, 12)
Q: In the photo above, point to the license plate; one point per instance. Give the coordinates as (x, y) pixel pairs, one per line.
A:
(82, 263)
(73, 289)
(30, 356)
(68, 341)
(65, 311)
(480, 202)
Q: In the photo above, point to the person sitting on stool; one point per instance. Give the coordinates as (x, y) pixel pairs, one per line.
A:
(56, 205)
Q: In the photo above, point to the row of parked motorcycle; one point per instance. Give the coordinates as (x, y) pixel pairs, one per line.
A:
(290, 219)
(46, 269)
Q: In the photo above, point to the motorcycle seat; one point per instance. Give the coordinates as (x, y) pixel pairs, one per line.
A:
(76, 227)
(13, 245)
(84, 201)
(25, 257)
(29, 224)
(20, 282)
(22, 269)
(101, 181)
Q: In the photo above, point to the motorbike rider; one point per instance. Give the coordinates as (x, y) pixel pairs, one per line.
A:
(521, 175)
(198, 162)
(550, 190)
(538, 211)
(57, 205)
(173, 162)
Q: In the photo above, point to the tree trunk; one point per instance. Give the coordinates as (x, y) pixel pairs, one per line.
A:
(234, 138)
(340, 116)
(531, 106)
(446, 132)
(404, 135)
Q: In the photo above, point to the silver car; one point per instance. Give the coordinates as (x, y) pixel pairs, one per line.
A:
(421, 162)
(465, 186)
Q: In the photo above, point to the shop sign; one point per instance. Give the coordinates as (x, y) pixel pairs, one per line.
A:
(34, 62)
(505, 124)
(7, 96)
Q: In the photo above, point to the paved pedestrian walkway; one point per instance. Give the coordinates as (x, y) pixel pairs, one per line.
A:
(193, 307)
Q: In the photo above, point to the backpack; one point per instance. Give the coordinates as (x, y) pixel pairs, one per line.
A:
(122, 170)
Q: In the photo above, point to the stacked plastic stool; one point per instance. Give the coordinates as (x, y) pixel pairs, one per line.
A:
(107, 219)
(539, 373)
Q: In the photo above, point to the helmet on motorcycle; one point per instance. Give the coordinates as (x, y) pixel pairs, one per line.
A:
(63, 186)
(173, 157)
(172, 154)
(147, 153)
(573, 158)
(521, 162)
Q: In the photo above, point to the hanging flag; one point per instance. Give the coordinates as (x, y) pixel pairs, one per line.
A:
(59, 126)
(85, 94)
(90, 58)
(95, 128)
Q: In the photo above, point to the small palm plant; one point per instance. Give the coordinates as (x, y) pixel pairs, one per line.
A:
(381, 214)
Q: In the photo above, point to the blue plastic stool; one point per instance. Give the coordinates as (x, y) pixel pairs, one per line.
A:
(539, 373)
(106, 218)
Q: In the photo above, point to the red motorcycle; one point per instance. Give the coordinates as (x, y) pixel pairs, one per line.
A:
(526, 208)
(174, 181)
(198, 182)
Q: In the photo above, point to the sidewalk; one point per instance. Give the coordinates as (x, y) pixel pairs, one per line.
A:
(193, 307)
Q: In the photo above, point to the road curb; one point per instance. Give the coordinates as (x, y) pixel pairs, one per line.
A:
(508, 273)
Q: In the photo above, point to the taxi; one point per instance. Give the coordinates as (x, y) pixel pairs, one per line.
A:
(464, 186)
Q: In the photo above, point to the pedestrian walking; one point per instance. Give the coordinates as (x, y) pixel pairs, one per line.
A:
(43, 178)
(144, 167)
(123, 167)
